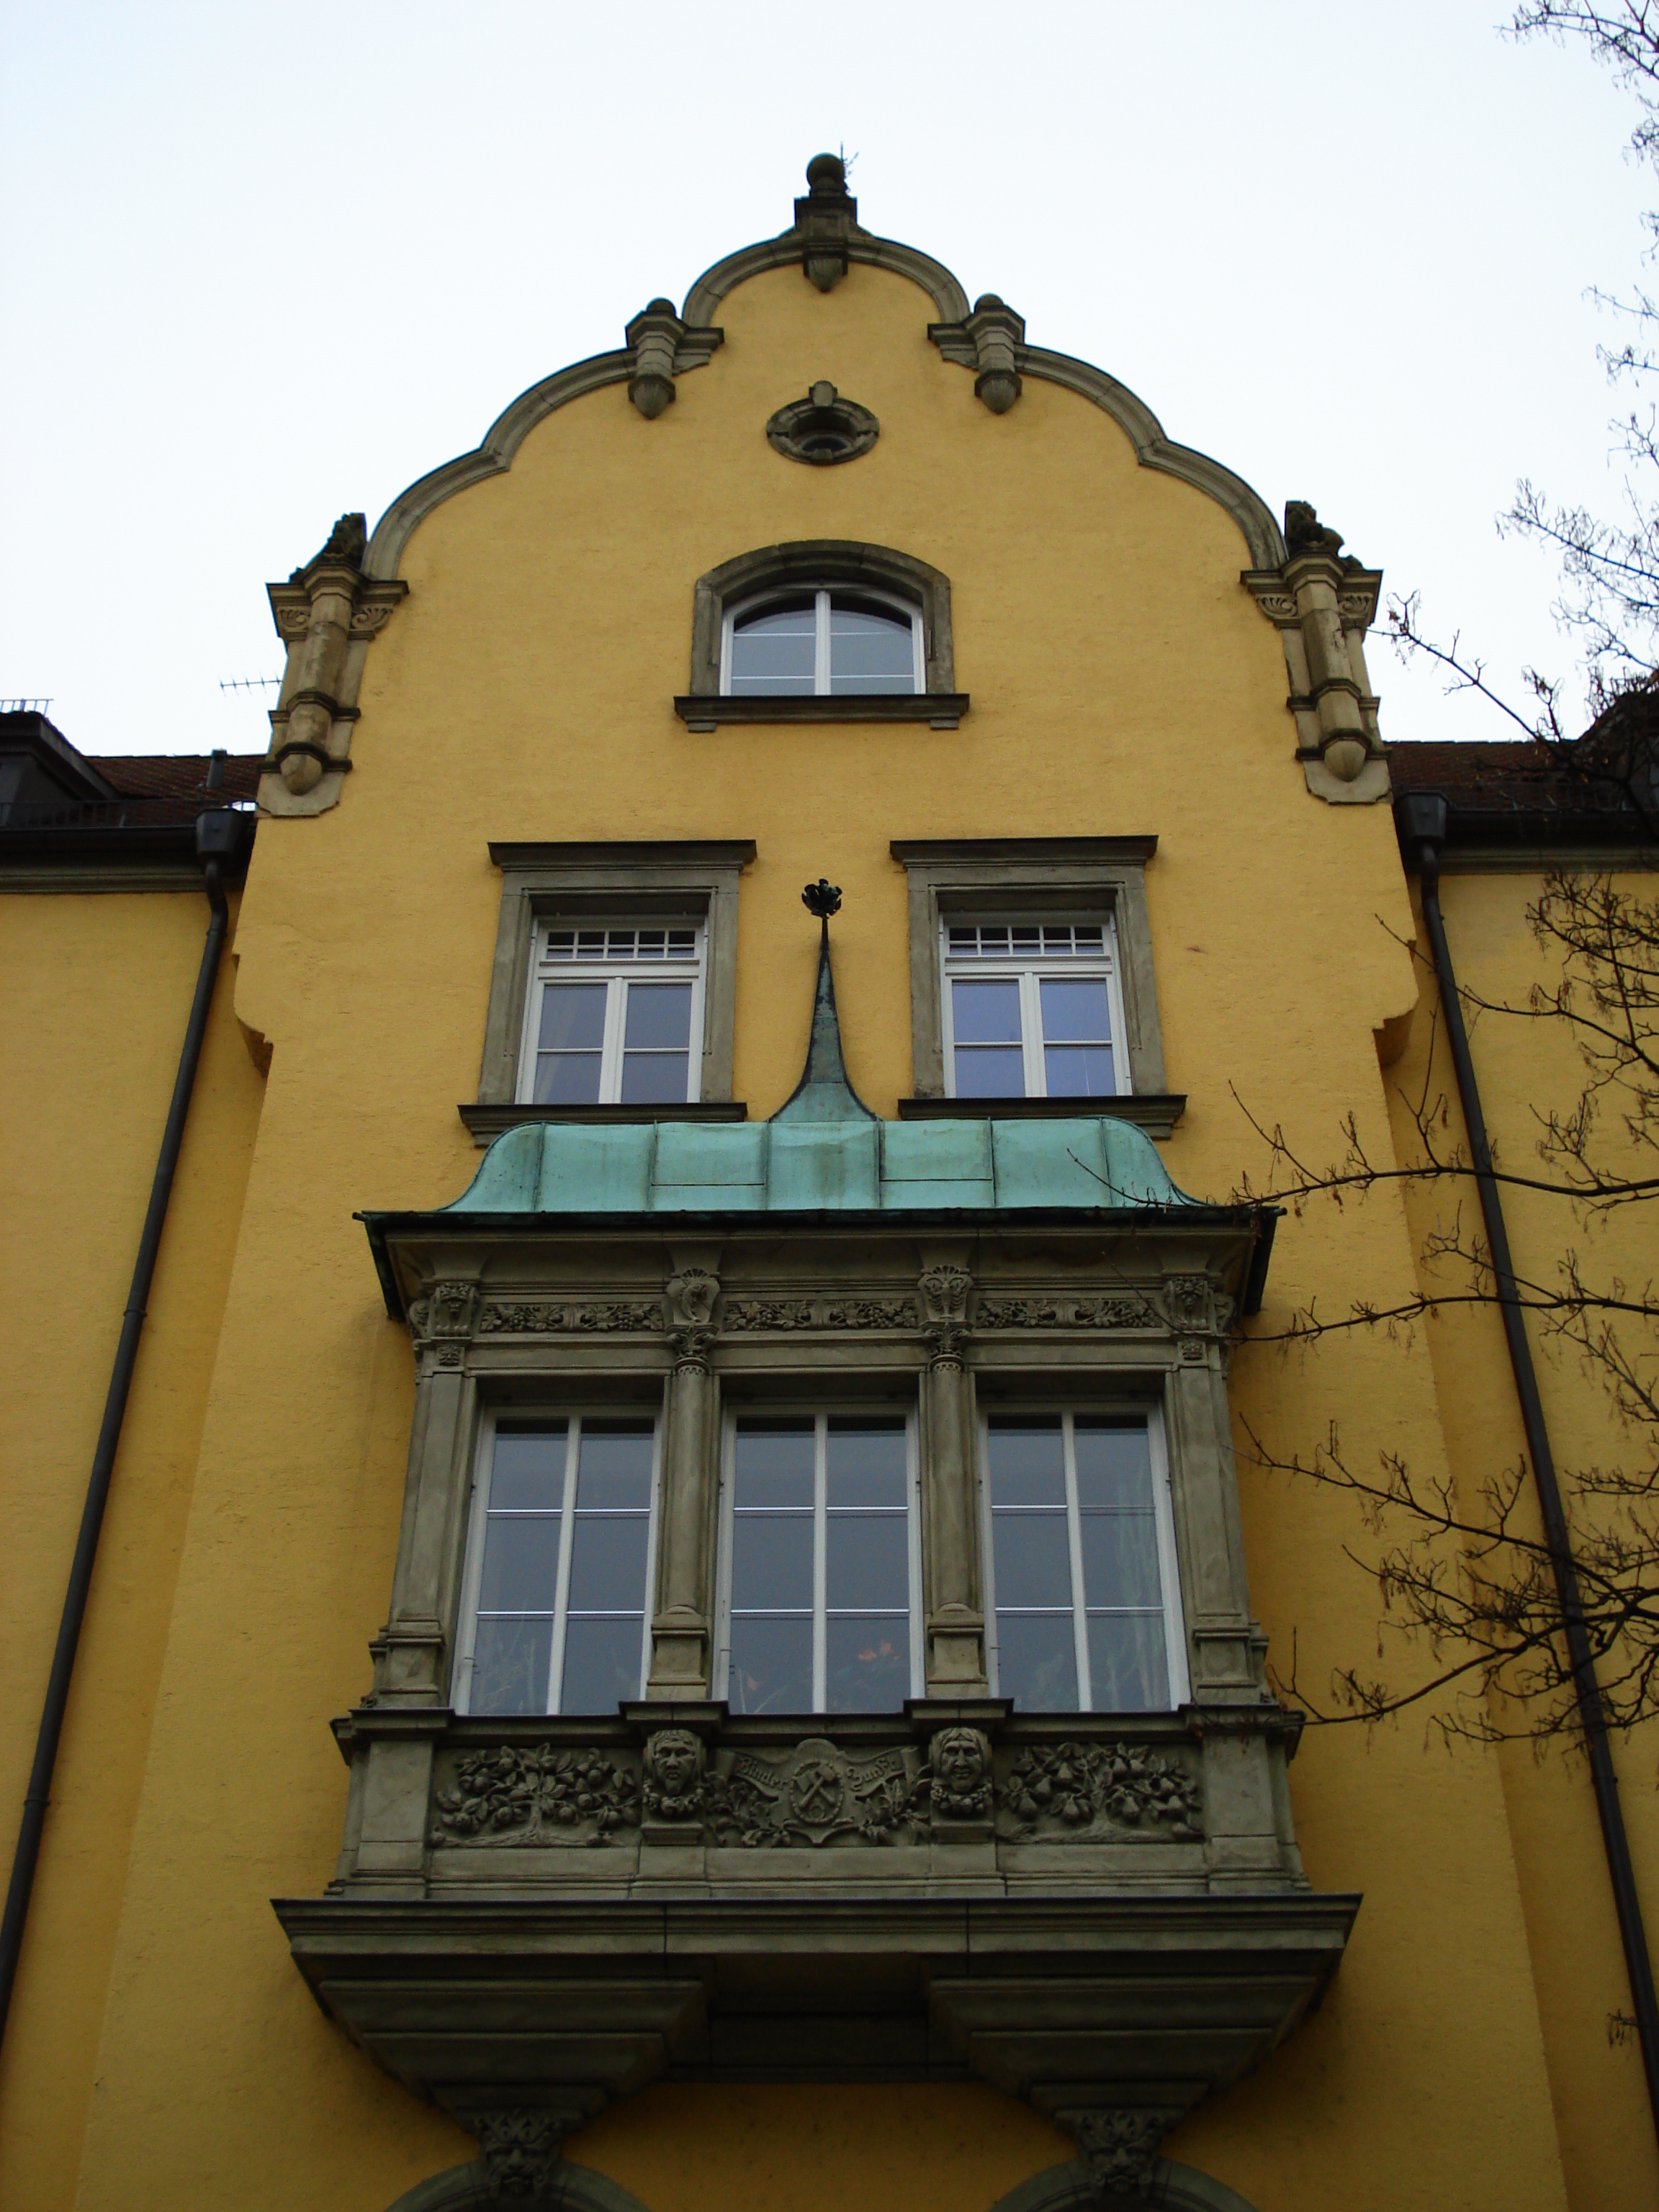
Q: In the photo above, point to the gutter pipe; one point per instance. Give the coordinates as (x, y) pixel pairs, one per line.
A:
(1421, 818)
(219, 844)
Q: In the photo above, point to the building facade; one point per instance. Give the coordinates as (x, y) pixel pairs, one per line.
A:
(691, 1613)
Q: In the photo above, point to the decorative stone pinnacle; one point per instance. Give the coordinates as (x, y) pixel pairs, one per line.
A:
(825, 215)
(824, 1093)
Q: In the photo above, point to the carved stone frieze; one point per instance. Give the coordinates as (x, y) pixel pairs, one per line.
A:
(1119, 2147)
(532, 1796)
(1089, 1791)
(816, 1795)
(554, 1317)
(1116, 1312)
(519, 2149)
(760, 1314)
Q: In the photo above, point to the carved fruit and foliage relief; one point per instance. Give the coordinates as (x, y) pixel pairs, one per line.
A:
(532, 1795)
(1091, 1791)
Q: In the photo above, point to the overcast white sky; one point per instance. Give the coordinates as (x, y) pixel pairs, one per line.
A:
(263, 265)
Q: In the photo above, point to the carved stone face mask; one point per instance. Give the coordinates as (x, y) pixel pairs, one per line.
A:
(960, 1759)
(674, 1761)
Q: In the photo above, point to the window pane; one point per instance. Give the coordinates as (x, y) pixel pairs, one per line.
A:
(510, 1665)
(771, 1561)
(990, 1072)
(1028, 1464)
(774, 653)
(659, 1016)
(613, 1466)
(1113, 1463)
(773, 1463)
(986, 1012)
(521, 1562)
(771, 1667)
(1119, 1559)
(866, 1464)
(1075, 1010)
(527, 1471)
(869, 652)
(573, 1016)
(601, 1665)
(867, 1665)
(866, 1560)
(655, 1079)
(607, 1563)
(1032, 1554)
(567, 1079)
(1075, 1071)
(1036, 1662)
(1128, 1663)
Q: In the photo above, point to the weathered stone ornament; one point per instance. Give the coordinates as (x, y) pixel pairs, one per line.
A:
(822, 428)
(1321, 602)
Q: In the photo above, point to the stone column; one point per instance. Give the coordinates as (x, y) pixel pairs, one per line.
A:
(682, 1630)
(951, 1578)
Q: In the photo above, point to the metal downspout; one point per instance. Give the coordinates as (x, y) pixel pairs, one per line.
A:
(218, 840)
(1422, 819)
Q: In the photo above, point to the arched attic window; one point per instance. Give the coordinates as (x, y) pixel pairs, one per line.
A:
(823, 630)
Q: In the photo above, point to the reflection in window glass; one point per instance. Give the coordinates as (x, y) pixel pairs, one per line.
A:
(830, 643)
(558, 1610)
(1080, 1597)
(1031, 1009)
(819, 1564)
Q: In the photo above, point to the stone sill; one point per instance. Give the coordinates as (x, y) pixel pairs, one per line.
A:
(487, 1123)
(1157, 1112)
(943, 710)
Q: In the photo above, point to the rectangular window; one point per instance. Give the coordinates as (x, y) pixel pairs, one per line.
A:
(558, 1566)
(1082, 1604)
(614, 1015)
(1032, 1010)
(820, 1563)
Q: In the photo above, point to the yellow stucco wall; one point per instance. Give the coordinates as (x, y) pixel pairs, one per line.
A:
(1122, 682)
(94, 994)
(1526, 1068)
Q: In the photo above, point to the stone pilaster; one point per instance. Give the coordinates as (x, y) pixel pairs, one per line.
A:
(682, 1630)
(955, 1622)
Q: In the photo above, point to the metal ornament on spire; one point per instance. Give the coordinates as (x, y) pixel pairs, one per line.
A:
(824, 1093)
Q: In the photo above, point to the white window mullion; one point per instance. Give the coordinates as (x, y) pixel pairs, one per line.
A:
(913, 1515)
(1030, 1030)
(1074, 1533)
(918, 663)
(616, 1000)
(820, 1561)
(567, 1534)
(821, 641)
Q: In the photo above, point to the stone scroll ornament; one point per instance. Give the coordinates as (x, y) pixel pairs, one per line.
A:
(1078, 1787)
(526, 1797)
(441, 1322)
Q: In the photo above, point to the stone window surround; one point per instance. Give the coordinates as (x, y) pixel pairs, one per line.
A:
(989, 877)
(692, 1345)
(815, 562)
(668, 878)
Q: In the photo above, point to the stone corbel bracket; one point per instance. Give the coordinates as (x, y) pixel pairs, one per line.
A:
(990, 342)
(326, 614)
(660, 346)
(1321, 603)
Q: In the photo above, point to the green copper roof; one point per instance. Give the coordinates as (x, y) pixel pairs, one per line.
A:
(825, 1151)
(796, 1165)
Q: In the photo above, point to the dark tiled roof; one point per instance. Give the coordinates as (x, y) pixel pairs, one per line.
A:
(1599, 790)
(181, 776)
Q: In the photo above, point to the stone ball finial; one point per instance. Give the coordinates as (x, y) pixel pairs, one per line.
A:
(826, 174)
(988, 299)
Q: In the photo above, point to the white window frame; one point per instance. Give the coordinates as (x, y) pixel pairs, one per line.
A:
(616, 974)
(821, 1415)
(478, 1512)
(1175, 1632)
(1030, 970)
(821, 596)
